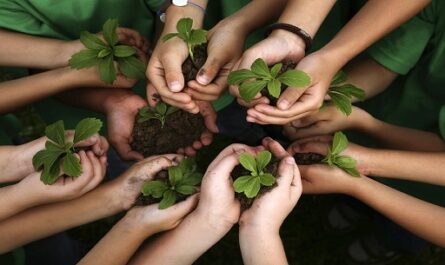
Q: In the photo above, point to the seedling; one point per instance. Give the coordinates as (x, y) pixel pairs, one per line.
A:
(192, 37)
(252, 183)
(333, 158)
(105, 53)
(182, 180)
(260, 76)
(160, 112)
(341, 94)
(59, 154)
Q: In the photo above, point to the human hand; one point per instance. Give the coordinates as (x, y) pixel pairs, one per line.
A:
(66, 188)
(320, 145)
(295, 103)
(327, 121)
(279, 46)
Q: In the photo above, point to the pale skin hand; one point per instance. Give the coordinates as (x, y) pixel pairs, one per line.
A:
(139, 223)
(31, 191)
(22, 50)
(106, 200)
(16, 161)
(260, 241)
(419, 217)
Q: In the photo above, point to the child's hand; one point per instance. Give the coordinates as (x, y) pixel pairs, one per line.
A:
(66, 188)
(320, 145)
(152, 220)
(264, 215)
(327, 121)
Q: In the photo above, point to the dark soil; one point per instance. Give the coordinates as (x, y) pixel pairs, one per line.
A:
(308, 158)
(287, 65)
(189, 68)
(240, 171)
(180, 130)
(147, 200)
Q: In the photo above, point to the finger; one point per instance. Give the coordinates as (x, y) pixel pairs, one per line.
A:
(191, 107)
(209, 115)
(181, 209)
(308, 120)
(197, 145)
(189, 151)
(151, 166)
(98, 173)
(275, 112)
(253, 120)
(210, 69)
(123, 148)
(173, 71)
(318, 138)
(265, 119)
(91, 141)
(104, 145)
(87, 169)
(206, 138)
(231, 149)
(311, 147)
(200, 96)
(275, 147)
(286, 172)
(315, 129)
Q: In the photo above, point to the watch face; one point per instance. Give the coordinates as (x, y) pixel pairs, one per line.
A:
(180, 2)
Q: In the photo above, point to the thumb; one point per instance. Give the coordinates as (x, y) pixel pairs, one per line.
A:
(209, 70)
(173, 72)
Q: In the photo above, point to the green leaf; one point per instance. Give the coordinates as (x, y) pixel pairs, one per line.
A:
(345, 162)
(276, 69)
(155, 188)
(352, 171)
(184, 26)
(339, 143)
(132, 67)
(259, 67)
(192, 179)
(252, 187)
(92, 41)
(171, 109)
(169, 36)
(174, 175)
(267, 179)
(106, 70)
(168, 199)
(109, 31)
(50, 174)
(248, 90)
(263, 159)
(47, 157)
(295, 78)
(274, 88)
(248, 162)
(56, 133)
(104, 53)
(86, 128)
(240, 184)
(341, 102)
(123, 51)
(71, 165)
(38, 159)
(161, 108)
(339, 78)
(146, 117)
(186, 189)
(239, 76)
(350, 91)
(187, 164)
(84, 59)
(198, 37)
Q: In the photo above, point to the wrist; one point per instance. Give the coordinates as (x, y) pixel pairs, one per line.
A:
(250, 229)
(65, 51)
(213, 223)
(134, 222)
(175, 13)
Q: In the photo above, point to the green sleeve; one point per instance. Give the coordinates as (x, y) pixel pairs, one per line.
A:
(401, 49)
(442, 122)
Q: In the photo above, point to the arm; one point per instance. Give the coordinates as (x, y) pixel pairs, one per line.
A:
(106, 200)
(417, 216)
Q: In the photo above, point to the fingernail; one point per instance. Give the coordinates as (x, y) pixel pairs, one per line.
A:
(202, 78)
(250, 119)
(289, 160)
(284, 104)
(267, 139)
(175, 161)
(239, 150)
(175, 86)
(296, 123)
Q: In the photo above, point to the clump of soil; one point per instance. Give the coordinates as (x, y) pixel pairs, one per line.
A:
(180, 130)
(287, 65)
(308, 158)
(189, 68)
(147, 200)
(240, 171)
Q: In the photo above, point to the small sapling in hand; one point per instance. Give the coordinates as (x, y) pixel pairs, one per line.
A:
(341, 93)
(105, 53)
(333, 158)
(59, 154)
(160, 112)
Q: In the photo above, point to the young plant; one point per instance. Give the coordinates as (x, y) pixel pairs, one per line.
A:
(192, 37)
(333, 158)
(105, 53)
(341, 94)
(260, 76)
(59, 154)
(252, 183)
(160, 112)
(182, 180)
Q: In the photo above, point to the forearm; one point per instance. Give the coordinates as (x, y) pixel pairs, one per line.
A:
(23, 91)
(175, 13)
(261, 247)
(414, 166)
(417, 216)
(21, 50)
(372, 19)
(195, 235)
(50, 219)
(118, 245)
(14, 200)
